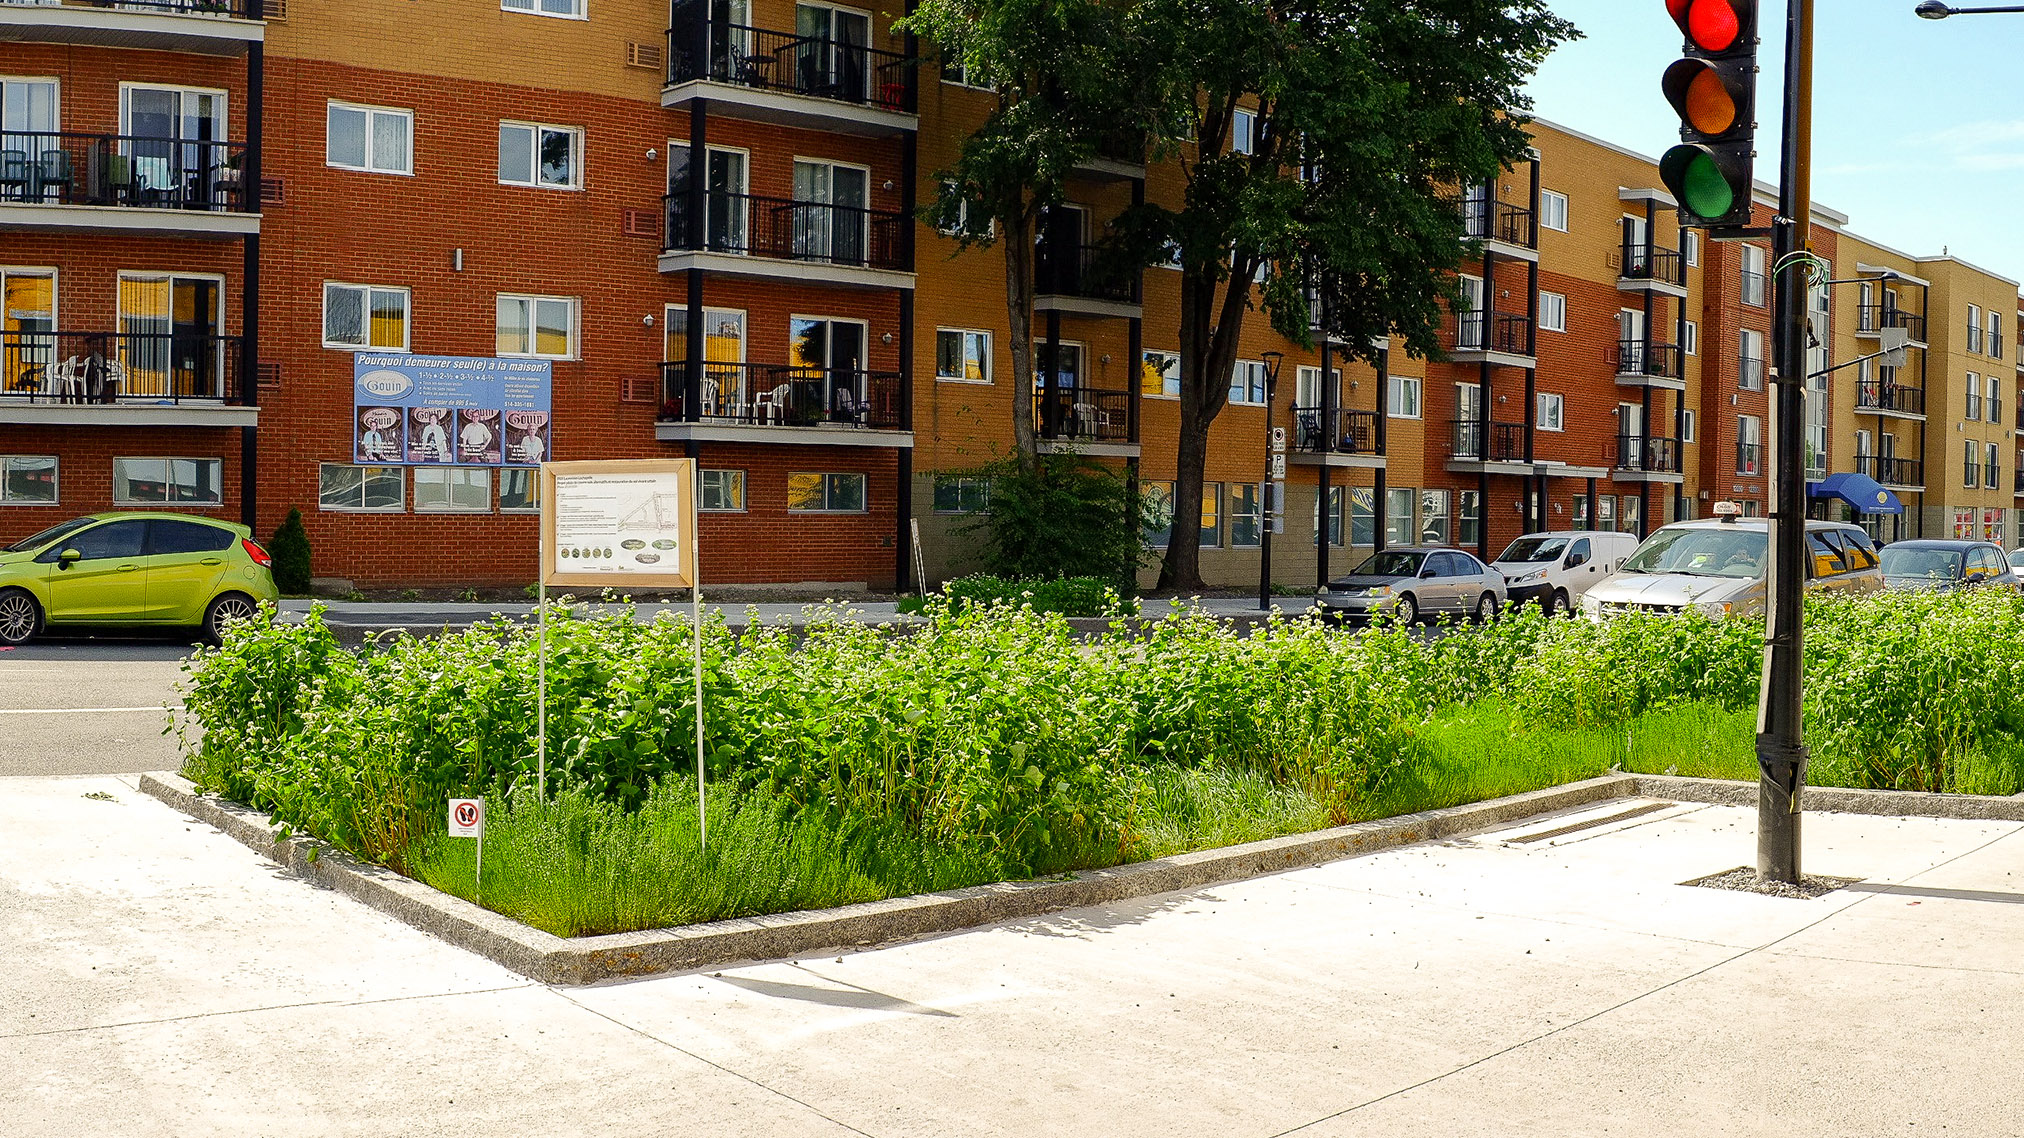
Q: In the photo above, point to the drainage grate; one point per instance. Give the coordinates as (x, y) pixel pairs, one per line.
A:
(1590, 824)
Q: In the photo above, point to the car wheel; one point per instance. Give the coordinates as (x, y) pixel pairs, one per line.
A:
(20, 617)
(1407, 610)
(227, 609)
(1556, 604)
(1486, 609)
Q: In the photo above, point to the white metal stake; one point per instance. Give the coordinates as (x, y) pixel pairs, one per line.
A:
(696, 596)
(478, 876)
(541, 685)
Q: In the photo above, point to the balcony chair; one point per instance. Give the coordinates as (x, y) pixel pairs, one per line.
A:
(771, 405)
(56, 171)
(850, 409)
(1308, 424)
(14, 174)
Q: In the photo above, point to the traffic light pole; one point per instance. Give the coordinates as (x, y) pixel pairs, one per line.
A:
(1781, 748)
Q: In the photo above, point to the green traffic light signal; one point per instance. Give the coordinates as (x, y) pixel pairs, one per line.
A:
(1696, 180)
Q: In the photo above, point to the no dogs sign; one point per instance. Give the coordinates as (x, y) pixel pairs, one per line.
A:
(467, 817)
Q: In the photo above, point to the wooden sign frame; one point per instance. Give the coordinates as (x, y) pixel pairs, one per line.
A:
(676, 475)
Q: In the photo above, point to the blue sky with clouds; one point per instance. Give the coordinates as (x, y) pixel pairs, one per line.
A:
(1918, 124)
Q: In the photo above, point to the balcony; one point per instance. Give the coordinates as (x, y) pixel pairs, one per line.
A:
(1504, 229)
(1081, 280)
(1499, 338)
(792, 403)
(1090, 420)
(200, 27)
(1872, 318)
(1651, 268)
(1908, 473)
(1750, 458)
(743, 235)
(1342, 438)
(1877, 397)
(2017, 477)
(1644, 458)
(811, 81)
(1120, 156)
(1505, 441)
(1639, 364)
(123, 378)
(109, 182)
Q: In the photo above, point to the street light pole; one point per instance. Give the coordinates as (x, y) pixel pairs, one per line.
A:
(1265, 502)
(1781, 748)
(1935, 10)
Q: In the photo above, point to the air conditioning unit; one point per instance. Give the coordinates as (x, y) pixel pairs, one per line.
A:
(646, 55)
(273, 191)
(268, 374)
(643, 223)
(1615, 259)
(635, 390)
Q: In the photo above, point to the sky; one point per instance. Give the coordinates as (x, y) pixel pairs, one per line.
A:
(1918, 131)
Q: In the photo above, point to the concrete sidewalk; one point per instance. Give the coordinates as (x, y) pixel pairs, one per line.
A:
(164, 981)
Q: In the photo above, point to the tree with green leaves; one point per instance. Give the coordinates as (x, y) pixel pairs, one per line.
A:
(1367, 118)
(290, 549)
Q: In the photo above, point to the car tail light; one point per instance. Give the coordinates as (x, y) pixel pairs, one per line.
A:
(260, 557)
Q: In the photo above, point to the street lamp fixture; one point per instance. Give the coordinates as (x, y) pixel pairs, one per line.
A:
(1265, 503)
(1935, 10)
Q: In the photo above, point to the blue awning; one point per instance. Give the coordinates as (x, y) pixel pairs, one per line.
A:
(1858, 490)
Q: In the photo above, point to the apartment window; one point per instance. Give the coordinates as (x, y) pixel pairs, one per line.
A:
(363, 317)
(27, 480)
(1687, 426)
(1433, 517)
(1398, 516)
(1990, 462)
(962, 495)
(543, 327)
(344, 487)
(1160, 373)
(1690, 245)
(1337, 501)
(1405, 397)
(1244, 132)
(453, 489)
(1581, 511)
(1974, 327)
(1974, 397)
(375, 140)
(1244, 513)
(1995, 400)
(1212, 515)
(962, 356)
(1995, 341)
(519, 489)
(1247, 383)
(1605, 505)
(1690, 338)
(1753, 275)
(1749, 445)
(1156, 513)
(1552, 412)
(1971, 453)
(826, 493)
(1750, 359)
(1552, 312)
(177, 481)
(1553, 211)
(1362, 517)
(721, 491)
(1632, 514)
(565, 9)
(1469, 518)
(531, 154)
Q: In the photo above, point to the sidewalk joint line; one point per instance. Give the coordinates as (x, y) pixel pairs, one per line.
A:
(266, 1008)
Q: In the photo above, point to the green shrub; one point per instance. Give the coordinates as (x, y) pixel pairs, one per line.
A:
(290, 548)
(1066, 516)
(1069, 596)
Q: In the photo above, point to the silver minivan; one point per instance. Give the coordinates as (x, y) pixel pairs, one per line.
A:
(1553, 570)
(1717, 566)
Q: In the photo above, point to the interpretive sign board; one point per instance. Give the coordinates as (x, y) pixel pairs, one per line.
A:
(619, 523)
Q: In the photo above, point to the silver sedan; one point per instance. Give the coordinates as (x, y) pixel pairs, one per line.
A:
(1415, 582)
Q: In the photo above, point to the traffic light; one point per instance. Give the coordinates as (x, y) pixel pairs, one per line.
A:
(1714, 90)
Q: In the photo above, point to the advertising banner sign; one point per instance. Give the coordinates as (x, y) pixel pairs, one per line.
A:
(454, 410)
(619, 522)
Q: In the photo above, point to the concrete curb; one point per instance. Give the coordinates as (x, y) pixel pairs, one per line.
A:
(585, 960)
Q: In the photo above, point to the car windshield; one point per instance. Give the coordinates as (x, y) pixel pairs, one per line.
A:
(1391, 564)
(2017, 560)
(1535, 549)
(1903, 561)
(1702, 552)
(48, 535)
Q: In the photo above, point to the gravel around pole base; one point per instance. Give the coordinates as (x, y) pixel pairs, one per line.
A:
(1744, 879)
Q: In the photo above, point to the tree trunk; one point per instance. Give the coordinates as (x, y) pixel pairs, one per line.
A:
(1018, 244)
(1210, 326)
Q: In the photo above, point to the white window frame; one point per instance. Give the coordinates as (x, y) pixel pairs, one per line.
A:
(1690, 337)
(576, 153)
(449, 486)
(744, 483)
(1163, 393)
(56, 469)
(165, 460)
(1549, 321)
(1975, 328)
(983, 360)
(370, 112)
(1690, 246)
(533, 475)
(533, 8)
(399, 507)
(1239, 369)
(1687, 426)
(1559, 416)
(1754, 255)
(826, 475)
(1406, 383)
(223, 96)
(407, 318)
(1547, 199)
(1992, 457)
(1250, 133)
(573, 348)
(1973, 410)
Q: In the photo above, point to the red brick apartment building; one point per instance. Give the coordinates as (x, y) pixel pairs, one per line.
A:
(221, 220)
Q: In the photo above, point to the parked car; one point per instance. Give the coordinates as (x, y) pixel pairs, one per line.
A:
(1414, 582)
(133, 568)
(1926, 565)
(2017, 559)
(1718, 566)
(1555, 569)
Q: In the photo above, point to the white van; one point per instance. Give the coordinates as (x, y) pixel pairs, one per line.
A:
(1553, 570)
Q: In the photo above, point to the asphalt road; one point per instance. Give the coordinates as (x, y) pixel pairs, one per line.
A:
(71, 706)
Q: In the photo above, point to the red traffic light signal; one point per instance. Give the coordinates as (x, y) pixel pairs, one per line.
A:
(1713, 90)
(1715, 25)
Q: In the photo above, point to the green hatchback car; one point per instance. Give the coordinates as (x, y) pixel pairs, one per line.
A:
(133, 568)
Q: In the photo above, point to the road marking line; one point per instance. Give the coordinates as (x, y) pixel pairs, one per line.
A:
(73, 710)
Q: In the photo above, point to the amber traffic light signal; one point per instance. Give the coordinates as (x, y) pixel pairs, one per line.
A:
(1714, 90)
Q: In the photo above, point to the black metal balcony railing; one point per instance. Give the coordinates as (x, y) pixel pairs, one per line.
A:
(1082, 271)
(68, 168)
(1506, 441)
(783, 395)
(1890, 470)
(768, 60)
(1652, 263)
(1749, 373)
(1652, 454)
(790, 230)
(1753, 288)
(1086, 414)
(1350, 432)
(234, 9)
(1871, 318)
(1749, 458)
(1635, 357)
(1876, 395)
(1127, 146)
(1493, 332)
(119, 367)
(1995, 345)
(1489, 220)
